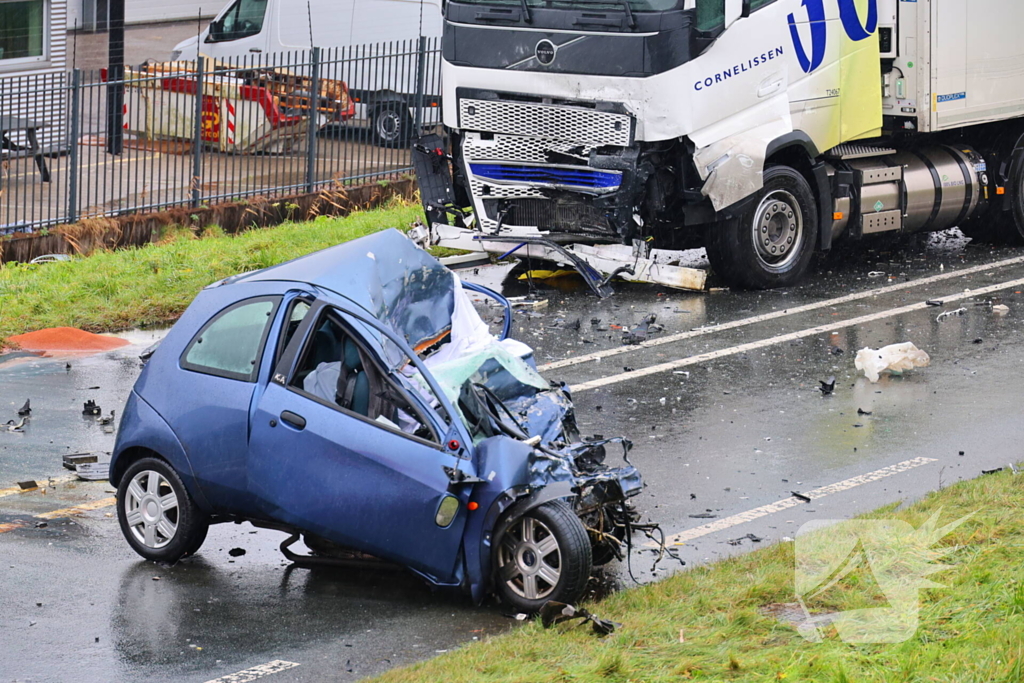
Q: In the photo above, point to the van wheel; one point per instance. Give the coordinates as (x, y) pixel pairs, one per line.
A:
(391, 125)
(769, 244)
(158, 517)
(544, 555)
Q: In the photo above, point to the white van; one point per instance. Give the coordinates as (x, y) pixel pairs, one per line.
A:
(382, 86)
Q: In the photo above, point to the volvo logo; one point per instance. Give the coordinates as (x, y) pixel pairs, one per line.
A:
(545, 52)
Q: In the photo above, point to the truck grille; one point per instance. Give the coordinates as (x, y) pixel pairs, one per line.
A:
(559, 176)
(553, 122)
(573, 217)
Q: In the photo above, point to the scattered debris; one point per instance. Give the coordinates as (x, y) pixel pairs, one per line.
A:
(90, 408)
(13, 426)
(998, 469)
(894, 359)
(751, 537)
(89, 466)
(236, 552)
(836, 351)
(861, 411)
(935, 303)
(108, 419)
(979, 340)
(827, 386)
(638, 334)
(1001, 310)
(800, 496)
(949, 314)
(28, 485)
(553, 613)
(25, 409)
(524, 302)
(703, 515)
(876, 273)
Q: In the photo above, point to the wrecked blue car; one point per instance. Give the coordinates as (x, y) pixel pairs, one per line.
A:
(355, 398)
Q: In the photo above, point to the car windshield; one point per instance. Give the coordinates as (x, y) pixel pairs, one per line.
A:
(635, 5)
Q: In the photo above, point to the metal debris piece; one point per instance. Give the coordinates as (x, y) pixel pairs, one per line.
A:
(935, 303)
(949, 314)
(861, 411)
(827, 386)
(800, 496)
(13, 426)
(553, 613)
(750, 537)
(638, 334)
(27, 485)
(26, 409)
(90, 408)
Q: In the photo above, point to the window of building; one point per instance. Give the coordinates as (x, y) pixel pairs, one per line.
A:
(22, 29)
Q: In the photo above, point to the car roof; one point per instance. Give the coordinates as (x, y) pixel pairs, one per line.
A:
(386, 274)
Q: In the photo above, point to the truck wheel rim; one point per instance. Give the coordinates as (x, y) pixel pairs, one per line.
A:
(151, 509)
(530, 560)
(778, 230)
(389, 126)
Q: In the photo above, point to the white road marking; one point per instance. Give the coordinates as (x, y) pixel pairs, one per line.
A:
(786, 503)
(256, 672)
(782, 338)
(669, 339)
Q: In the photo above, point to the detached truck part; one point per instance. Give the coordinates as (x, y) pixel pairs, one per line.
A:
(762, 129)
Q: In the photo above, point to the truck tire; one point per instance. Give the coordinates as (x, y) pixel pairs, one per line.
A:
(997, 224)
(770, 243)
(391, 125)
(543, 555)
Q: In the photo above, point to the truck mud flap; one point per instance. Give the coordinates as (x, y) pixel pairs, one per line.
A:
(434, 175)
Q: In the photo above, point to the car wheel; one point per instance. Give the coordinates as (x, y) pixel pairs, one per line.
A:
(158, 517)
(391, 125)
(771, 243)
(544, 555)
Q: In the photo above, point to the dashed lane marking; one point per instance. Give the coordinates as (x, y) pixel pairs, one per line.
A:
(672, 338)
(63, 512)
(791, 502)
(782, 338)
(42, 482)
(256, 672)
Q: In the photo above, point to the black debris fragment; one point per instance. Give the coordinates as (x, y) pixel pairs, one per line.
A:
(861, 411)
(978, 341)
(962, 453)
(750, 537)
(827, 386)
(67, 367)
(574, 325)
(836, 351)
(638, 334)
(595, 321)
(800, 496)
(26, 409)
(27, 485)
(236, 552)
(703, 515)
(693, 496)
(553, 613)
(998, 469)
(90, 408)
(935, 303)
(626, 368)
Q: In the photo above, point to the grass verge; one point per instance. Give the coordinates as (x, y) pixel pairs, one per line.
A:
(970, 630)
(111, 291)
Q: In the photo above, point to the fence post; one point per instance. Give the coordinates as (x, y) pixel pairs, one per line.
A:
(197, 136)
(76, 117)
(421, 78)
(314, 120)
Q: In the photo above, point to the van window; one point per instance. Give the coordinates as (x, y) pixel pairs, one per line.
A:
(710, 14)
(243, 19)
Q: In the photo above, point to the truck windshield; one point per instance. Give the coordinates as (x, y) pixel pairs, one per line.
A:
(243, 19)
(635, 5)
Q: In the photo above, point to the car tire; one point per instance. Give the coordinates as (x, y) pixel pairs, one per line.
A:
(770, 243)
(158, 517)
(542, 556)
(390, 125)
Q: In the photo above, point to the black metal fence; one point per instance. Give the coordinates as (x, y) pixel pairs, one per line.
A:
(78, 145)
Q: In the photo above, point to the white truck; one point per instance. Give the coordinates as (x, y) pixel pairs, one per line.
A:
(378, 65)
(763, 130)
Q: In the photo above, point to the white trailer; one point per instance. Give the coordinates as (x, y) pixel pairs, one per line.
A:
(761, 129)
(382, 83)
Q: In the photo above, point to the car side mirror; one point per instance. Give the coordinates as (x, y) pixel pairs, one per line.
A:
(734, 10)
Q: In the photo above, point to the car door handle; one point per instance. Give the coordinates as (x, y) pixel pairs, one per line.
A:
(293, 419)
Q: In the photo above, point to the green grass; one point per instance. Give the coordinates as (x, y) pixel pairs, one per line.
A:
(111, 291)
(971, 630)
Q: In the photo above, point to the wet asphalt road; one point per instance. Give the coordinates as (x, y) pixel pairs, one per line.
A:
(735, 425)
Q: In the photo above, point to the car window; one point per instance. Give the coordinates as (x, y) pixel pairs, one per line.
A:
(297, 313)
(231, 343)
(336, 368)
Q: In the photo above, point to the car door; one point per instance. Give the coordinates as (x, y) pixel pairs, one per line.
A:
(332, 458)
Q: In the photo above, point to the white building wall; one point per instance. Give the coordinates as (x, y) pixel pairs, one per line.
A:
(149, 11)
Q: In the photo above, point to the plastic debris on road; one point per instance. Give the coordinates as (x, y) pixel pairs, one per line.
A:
(894, 359)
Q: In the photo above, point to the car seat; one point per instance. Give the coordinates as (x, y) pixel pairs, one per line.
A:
(353, 382)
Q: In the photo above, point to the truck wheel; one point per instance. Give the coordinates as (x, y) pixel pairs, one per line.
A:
(391, 125)
(770, 244)
(158, 517)
(544, 555)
